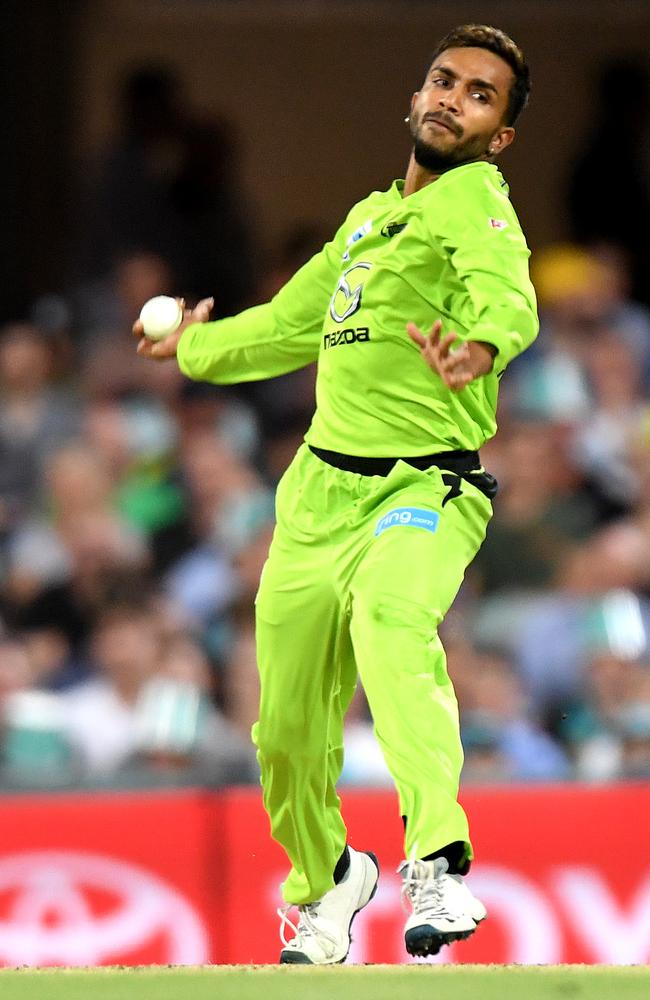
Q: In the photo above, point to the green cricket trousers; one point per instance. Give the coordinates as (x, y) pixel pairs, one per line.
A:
(360, 573)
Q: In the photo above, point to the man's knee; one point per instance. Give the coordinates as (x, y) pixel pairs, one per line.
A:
(380, 610)
(291, 741)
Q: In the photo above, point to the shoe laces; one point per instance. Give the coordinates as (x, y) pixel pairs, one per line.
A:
(305, 928)
(424, 892)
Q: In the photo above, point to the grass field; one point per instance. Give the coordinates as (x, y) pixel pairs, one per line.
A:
(378, 982)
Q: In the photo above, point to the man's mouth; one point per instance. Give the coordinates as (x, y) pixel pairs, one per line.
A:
(443, 122)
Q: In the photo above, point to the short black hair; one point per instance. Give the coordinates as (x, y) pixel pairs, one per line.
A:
(482, 36)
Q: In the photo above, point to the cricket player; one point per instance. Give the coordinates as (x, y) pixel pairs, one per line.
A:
(413, 311)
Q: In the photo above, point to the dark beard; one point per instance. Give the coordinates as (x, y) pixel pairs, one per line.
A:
(432, 159)
(436, 161)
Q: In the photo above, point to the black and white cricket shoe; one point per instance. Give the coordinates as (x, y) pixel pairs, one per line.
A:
(443, 908)
(322, 934)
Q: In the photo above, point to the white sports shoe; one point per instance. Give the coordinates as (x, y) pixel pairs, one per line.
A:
(322, 936)
(444, 909)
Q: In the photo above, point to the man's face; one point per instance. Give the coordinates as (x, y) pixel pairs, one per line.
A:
(458, 115)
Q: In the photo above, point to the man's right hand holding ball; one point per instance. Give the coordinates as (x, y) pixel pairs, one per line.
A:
(163, 350)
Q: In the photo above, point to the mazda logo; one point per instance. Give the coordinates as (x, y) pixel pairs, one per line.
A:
(345, 301)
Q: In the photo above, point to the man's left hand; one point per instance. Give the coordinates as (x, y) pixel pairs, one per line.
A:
(457, 368)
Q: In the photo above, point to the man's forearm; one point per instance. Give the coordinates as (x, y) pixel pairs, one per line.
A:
(481, 356)
(244, 348)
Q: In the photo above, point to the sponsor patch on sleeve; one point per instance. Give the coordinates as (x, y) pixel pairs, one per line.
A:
(413, 517)
(356, 236)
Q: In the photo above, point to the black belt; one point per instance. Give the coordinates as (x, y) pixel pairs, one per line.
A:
(464, 464)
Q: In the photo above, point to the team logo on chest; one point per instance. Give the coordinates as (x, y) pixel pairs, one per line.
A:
(346, 300)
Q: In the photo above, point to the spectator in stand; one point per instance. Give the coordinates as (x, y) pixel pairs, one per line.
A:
(36, 417)
(34, 751)
(503, 741)
(63, 568)
(16, 668)
(580, 294)
(628, 315)
(137, 440)
(622, 218)
(170, 176)
(540, 514)
(608, 730)
(99, 309)
(146, 714)
(605, 445)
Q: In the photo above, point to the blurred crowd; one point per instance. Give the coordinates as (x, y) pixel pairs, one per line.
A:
(136, 507)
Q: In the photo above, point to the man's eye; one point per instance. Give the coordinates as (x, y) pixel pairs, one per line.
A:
(479, 95)
(441, 80)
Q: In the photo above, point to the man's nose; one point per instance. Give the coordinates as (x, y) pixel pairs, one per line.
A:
(449, 101)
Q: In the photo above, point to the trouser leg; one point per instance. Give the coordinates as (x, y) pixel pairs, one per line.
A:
(343, 692)
(400, 593)
(307, 678)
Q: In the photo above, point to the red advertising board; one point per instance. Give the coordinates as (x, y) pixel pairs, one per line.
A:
(116, 878)
(193, 877)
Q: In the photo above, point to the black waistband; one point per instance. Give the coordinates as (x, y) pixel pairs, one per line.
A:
(459, 462)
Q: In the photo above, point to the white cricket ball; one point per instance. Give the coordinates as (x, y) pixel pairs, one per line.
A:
(160, 316)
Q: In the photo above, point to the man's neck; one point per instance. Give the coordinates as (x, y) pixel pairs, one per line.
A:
(418, 177)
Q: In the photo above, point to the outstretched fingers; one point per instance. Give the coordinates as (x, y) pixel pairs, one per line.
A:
(422, 339)
(443, 355)
(444, 346)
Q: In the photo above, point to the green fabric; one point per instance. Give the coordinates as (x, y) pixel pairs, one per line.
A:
(460, 256)
(336, 598)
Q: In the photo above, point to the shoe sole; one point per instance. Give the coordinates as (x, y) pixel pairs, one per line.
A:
(426, 940)
(288, 957)
(294, 958)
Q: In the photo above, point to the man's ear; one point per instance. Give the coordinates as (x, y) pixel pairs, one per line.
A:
(501, 140)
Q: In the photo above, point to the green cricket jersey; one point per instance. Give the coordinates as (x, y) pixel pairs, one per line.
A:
(453, 250)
